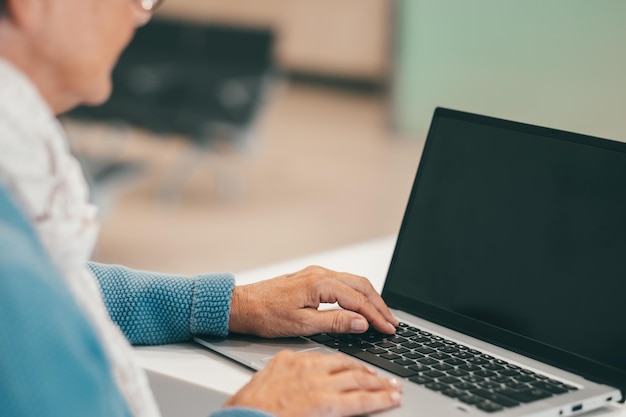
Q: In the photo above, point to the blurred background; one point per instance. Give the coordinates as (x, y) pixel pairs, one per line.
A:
(246, 132)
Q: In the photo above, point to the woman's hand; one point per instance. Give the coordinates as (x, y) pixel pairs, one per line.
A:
(288, 305)
(309, 384)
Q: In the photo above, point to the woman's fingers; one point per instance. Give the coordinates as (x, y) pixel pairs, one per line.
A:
(318, 385)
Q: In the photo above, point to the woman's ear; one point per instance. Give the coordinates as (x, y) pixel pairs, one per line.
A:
(28, 15)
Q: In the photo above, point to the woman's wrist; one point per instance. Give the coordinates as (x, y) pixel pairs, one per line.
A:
(239, 319)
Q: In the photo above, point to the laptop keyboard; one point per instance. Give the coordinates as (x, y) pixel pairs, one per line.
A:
(452, 369)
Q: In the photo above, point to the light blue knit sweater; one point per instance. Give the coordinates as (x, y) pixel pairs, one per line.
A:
(51, 361)
(155, 309)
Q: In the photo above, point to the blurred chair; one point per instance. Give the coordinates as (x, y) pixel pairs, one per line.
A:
(206, 83)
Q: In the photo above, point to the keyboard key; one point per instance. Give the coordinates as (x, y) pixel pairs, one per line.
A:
(471, 399)
(448, 349)
(336, 343)
(442, 367)
(470, 367)
(376, 350)
(427, 361)
(436, 386)
(420, 339)
(489, 384)
(463, 355)
(551, 381)
(525, 378)
(454, 361)
(525, 396)
(488, 406)
(464, 386)
(484, 374)
(433, 374)
(404, 362)
(440, 356)
(399, 350)
(420, 379)
(413, 355)
(496, 398)
(373, 337)
(380, 362)
(453, 393)
(390, 356)
(473, 379)
(457, 372)
(493, 367)
(516, 385)
(347, 337)
(477, 360)
(418, 367)
(509, 372)
(322, 338)
(449, 380)
(550, 387)
(396, 338)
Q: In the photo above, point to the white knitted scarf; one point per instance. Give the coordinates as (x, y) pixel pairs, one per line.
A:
(37, 167)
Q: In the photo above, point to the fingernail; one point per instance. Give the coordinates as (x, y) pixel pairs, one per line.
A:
(396, 396)
(358, 325)
(391, 327)
(395, 382)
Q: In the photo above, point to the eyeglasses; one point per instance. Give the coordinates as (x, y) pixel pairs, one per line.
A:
(149, 5)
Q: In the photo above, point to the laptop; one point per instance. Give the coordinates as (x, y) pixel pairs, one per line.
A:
(508, 275)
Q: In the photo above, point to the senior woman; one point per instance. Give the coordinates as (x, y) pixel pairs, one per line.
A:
(65, 322)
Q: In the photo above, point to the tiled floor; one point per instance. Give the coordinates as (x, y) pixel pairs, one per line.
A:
(322, 171)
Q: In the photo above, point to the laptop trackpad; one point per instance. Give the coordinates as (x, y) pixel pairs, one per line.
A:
(254, 351)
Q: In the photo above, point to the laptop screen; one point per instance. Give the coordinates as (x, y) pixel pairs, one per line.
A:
(517, 234)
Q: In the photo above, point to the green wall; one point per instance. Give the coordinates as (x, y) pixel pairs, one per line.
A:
(559, 63)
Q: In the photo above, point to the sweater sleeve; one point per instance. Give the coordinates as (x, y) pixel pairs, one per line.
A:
(153, 308)
(240, 412)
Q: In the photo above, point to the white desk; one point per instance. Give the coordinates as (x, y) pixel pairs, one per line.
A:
(189, 381)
